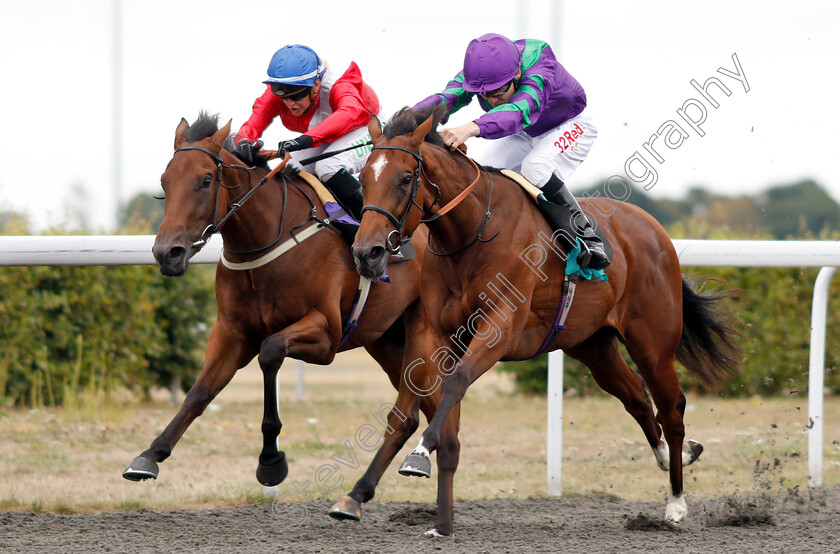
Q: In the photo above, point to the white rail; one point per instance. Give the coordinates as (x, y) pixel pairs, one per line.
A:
(91, 250)
(136, 250)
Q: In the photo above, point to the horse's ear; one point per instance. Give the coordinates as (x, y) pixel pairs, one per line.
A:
(422, 130)
(375, 128)
(180, 131)
(218, 139)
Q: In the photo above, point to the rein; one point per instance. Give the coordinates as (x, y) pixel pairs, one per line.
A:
(463, 194)
(457, 200)
(400, 223)
(271, 154)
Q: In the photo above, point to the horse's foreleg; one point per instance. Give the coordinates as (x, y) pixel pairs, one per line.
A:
(487, 346)
(306, 338)
(403, 420)
(448, 455)
(227, 351)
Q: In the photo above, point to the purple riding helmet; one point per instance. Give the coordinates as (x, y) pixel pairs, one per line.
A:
(490, 63)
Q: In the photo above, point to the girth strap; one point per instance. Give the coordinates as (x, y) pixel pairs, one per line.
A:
(569, 285)
(356, 311)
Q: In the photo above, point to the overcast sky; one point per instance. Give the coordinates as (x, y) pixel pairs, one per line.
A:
(635, 60)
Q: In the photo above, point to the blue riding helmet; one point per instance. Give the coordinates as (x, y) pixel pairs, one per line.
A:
(295, 64)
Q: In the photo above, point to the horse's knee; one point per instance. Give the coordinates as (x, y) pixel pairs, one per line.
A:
(272, 353)
(197, 400)
(395, 422)
(401, 426)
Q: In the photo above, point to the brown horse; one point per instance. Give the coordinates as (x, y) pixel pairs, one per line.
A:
(492, 291)
(294, 306)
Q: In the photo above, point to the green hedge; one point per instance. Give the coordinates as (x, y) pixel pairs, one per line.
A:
(774, 314)
(65, 330)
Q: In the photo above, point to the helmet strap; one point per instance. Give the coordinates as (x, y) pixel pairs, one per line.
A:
(312, 98)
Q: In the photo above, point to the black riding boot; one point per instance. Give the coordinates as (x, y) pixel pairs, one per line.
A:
(564, 214)
(348, 191)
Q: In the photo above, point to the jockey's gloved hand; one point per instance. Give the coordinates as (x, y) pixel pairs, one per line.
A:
(246, 150)
(300, 143)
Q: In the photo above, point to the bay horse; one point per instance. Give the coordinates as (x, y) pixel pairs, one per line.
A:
(492, 289)
(293, 306)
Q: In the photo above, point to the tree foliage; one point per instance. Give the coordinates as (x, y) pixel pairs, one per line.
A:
(65, 330)
(797, 210)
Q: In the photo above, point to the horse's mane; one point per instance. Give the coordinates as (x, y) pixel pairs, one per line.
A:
(205, 126)
(407, 120)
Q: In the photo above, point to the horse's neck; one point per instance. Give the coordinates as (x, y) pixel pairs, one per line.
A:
(257, 223)
(459, 226)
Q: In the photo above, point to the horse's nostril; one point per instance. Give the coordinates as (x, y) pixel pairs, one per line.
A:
(376, 253)
(176, 253)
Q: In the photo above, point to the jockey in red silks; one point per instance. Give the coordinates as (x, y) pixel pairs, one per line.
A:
(536, 110)
(329, 108)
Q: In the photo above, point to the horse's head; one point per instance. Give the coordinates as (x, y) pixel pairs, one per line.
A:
(191, 186)
(394, 197)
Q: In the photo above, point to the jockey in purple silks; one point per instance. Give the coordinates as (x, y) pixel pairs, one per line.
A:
(536, 111)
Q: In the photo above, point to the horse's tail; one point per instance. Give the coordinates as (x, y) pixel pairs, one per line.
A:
(709, 346)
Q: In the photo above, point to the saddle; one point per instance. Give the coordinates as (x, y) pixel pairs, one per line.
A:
(535, 193)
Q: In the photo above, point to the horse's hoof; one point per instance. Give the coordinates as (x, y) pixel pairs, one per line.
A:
(416, 465)
(691, 451)
(141, 469)
(436, 534)
(346, 508)
(271, 475)
(676, 509)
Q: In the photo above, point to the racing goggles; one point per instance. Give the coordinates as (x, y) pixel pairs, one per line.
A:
(295, 93)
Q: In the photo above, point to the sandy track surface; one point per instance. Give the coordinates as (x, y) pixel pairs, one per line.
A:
(800, 521)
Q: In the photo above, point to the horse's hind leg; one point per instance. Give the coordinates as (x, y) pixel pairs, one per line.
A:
(227, 351)
(600, 353)
(306, 338)
(653, 345)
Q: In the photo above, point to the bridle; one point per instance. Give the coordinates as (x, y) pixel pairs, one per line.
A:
(415, 188)
(237, 203)
(399, 224)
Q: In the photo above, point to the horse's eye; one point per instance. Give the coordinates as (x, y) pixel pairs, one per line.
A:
(208, 180)
(407, 180)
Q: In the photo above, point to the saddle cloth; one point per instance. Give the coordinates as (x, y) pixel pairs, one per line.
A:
(344, 225)
(526, 185)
